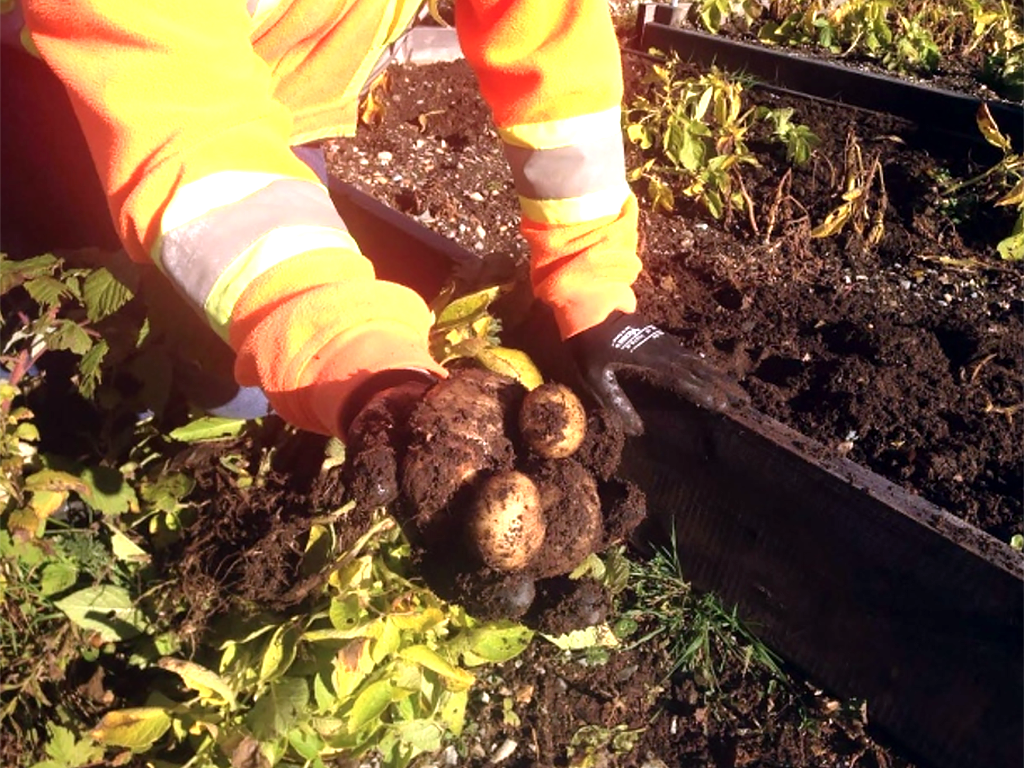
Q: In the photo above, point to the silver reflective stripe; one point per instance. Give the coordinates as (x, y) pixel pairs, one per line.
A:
(566, 172)
(195, 254)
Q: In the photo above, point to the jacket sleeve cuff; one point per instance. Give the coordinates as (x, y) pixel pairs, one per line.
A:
(586, 271)
(309, 334)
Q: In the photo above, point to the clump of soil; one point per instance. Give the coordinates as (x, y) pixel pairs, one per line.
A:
(465, 455)
(244, 549)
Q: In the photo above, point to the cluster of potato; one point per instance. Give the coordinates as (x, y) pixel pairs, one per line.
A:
(496, 464)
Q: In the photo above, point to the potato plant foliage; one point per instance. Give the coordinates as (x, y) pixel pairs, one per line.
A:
(374, 661)
(906, 36)
(694, 132)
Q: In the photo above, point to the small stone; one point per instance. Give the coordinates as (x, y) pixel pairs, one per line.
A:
(385, 157)
(504, 751)
(475, 196)
(481, 232)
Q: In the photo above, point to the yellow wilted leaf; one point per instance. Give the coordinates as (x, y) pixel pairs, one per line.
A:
(511, 362)
(834, 222)
(1014, 197)
(351, 666)
(989, 129)
(458, 679)
(29, 521)
(207, 683)
(135, 729)
(372, 109)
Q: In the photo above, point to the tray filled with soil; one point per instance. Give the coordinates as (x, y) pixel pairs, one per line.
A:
(905, 75)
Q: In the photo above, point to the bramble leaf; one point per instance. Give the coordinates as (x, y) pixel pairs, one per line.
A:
(69, 335)
(103, 294)
(105, 609)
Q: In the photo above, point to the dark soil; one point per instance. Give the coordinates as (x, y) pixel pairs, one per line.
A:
(904, 357)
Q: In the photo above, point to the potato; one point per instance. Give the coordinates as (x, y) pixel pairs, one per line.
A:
(506, 523)
(457, 431)
(552, 421)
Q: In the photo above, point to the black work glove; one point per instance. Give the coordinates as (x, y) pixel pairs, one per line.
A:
(627, 342)
(375, 425)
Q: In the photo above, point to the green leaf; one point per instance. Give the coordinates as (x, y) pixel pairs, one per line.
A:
(466, 309)
(1012, 248)
(210, 686)
(103, 294)
(167, 493)
(105, 609)
(56, 577)
(422, 735)
(280, 652)
(47, 291)
(124, 549)
(89, 368)
(496, 643)
(107, 491)
(307, 744)
(69, 335)
(370, 704)
(137, 728)
(513, 363)
(452, 711)
(347, 614)
(14, 272)
(279, 708)
(208, 428)
(67, 751)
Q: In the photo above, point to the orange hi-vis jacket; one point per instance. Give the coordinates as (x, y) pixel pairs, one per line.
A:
(190, 108)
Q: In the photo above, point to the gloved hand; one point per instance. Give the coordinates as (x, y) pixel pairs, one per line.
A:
(627, 342)
(375, 424)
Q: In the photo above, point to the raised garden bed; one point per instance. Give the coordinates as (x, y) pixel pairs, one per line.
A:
(948, 114)
(829, 336)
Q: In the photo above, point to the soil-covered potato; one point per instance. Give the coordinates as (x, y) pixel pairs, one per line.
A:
(552, 421)
(457, 430)
(572, 514)
(506, 524)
